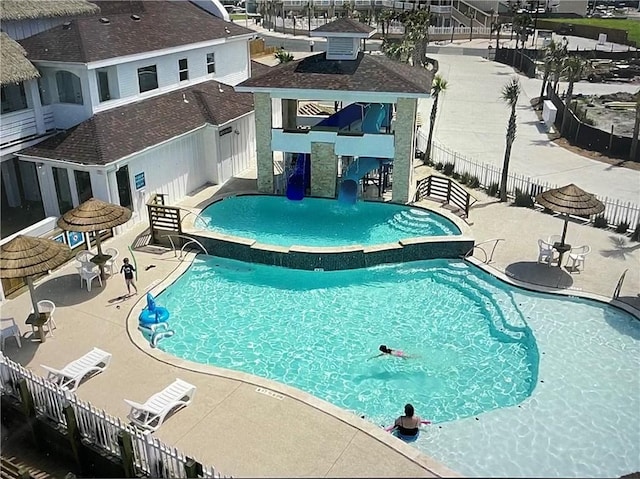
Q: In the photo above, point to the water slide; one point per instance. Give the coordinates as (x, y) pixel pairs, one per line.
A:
(376, 116)
(300, 179)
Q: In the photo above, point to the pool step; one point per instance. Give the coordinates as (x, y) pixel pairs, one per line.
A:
(414, 221)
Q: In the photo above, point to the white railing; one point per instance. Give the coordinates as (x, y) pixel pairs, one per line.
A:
(151, 456)
(17, 125)
(616, 211)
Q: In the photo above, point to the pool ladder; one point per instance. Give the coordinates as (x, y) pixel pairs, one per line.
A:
(488, 258)
(191, 240)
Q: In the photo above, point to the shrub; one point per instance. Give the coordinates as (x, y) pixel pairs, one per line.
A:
(523, 199)
(473, 182)
(464, 178)
(493, 189)
(635, 236)
(622, 227)
(456, 176)
(448, 169)
(439, 166)
(600, 222)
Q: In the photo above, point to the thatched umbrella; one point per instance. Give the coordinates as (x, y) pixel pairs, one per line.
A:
(94, 215)
(25, 256)
(15, 66)
(570, 200)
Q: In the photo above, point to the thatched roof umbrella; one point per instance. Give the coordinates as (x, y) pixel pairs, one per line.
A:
(25, 256)
(94, 215)
(34, 9)
(15, 66)
(570, 200)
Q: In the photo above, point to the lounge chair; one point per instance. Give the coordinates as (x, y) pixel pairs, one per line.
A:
(152, 413)
(69, 377)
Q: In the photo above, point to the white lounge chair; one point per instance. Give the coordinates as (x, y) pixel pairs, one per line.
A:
(546, 253)
(577, 256)
(152, 413)
(9, 329)
(69, 377)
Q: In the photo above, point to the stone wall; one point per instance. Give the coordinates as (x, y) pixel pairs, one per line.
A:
(404, 131)
(324, 170)
(264, 155)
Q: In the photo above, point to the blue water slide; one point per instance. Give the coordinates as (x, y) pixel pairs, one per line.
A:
(374, 119)
(300, 179)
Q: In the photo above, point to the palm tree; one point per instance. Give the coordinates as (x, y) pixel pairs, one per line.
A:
(573, 69)
(510, 94)
(521, 24)
(283, 56)
(438, 86)
(554, 55)
(636, 130)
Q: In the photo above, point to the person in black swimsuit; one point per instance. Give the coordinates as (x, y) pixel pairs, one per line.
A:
(408, 425)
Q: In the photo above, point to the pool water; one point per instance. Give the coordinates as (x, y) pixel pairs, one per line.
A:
(319, 331)
(320, 222)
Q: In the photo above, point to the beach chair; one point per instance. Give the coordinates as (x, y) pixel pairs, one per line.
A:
(69, 377)
(152, 413)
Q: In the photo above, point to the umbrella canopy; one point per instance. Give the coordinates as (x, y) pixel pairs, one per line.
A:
(25, 256)
(570, 200)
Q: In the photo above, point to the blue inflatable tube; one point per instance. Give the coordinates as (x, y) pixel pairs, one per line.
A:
(152, 314)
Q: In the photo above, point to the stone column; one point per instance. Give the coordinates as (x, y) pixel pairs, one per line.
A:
(324, 170)
(264, 154)
(404, 133)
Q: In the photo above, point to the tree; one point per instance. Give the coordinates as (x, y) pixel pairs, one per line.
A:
(636, 130)
(384, 18)
(521, 25)
(554, 55)
(396, 50)
(558, 63)
(438, 86)
(510, 94)
(416, 25)
(283, 56)
(573, 69)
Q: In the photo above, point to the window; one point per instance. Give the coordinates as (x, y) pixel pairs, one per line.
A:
(13, 98)
(211, 62)
(69, 89)
(183, 69)
(103, 85)
(147, 78)
(63, 190)
(124, 188)
(83, 185)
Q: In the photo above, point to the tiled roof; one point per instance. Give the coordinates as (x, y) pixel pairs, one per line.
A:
(161, 24)
(344, 25)
(258, 68)
(368, 73)
(116, 133)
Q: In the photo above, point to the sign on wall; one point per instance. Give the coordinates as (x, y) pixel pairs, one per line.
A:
(140, 180)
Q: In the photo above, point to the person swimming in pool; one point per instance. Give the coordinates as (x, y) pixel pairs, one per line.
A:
(392, 352)
(407, 426)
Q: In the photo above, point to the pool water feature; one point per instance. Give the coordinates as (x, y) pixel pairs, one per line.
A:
(319, 331)
(278, 221)
(561, 405)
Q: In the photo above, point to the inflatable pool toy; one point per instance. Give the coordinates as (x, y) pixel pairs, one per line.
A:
(153, 314)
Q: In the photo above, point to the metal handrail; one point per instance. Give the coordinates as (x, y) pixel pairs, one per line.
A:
(616, 292)
(487, 259)
(191, 240)
(189, 212)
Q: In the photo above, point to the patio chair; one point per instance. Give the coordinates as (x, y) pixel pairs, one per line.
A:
(577, 256)
(69, 377)
(152, 413)
(46, 306)
(112, 264)
(88, 272)
(546, 253)
(9, 329)
(554, 239)
(83, 257)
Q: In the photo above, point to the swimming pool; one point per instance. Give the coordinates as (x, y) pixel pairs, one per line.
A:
(278, 221)
(562, 404)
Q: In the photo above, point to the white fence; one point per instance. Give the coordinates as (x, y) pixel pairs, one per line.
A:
(151, 457)
(616, 211)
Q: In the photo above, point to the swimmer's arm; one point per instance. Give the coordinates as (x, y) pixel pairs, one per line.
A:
(376, 356)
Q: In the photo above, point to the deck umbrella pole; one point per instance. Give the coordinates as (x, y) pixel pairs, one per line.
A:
(564, 230)
(32, 293)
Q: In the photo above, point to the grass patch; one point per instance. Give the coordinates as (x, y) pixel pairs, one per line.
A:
(238, 16)
(632, 27)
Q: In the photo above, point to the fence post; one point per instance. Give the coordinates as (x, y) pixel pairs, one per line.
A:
(126, 454)
(192, 468)
(611, 139)
(29, 408)
(73, 434)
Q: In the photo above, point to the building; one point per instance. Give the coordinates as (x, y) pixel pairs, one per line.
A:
(376, 125)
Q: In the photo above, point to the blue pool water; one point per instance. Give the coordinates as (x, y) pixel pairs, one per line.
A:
(320, 222)
(317, 331)
(562, 404)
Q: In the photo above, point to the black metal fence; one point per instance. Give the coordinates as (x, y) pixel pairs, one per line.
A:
(523, 60)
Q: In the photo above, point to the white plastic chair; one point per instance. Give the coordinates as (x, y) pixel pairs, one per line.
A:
(152, 413)
(577, 256)
(69, 377)
(46, 306)
(112, 264)
(546, 253)
(88, 272)
(9, 329)
(554, 239)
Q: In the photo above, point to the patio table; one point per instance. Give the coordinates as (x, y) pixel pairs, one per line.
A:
(561, 248)
(38, 320)
(100, 260)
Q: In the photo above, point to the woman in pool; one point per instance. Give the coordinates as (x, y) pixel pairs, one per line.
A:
(407, 427)
(392, 352)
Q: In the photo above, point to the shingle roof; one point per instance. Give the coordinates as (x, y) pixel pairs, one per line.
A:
(162, 24)
(368, 73)
(15, 66)
(344, 25)
(32, 9)
(113, 134)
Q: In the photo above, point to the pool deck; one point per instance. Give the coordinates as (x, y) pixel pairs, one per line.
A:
(231, 425)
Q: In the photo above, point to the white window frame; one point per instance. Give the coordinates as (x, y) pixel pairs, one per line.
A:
(211, 62)
(184, 70)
